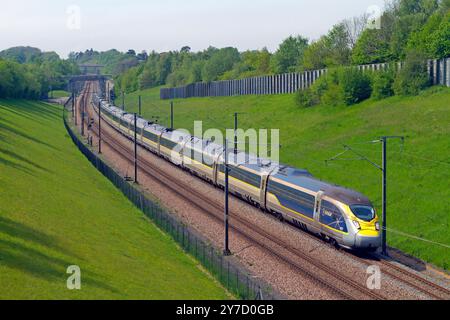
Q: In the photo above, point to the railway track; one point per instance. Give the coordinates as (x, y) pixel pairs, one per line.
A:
(328, 278)
(415, 281)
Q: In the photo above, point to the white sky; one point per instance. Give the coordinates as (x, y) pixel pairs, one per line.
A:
(164, 25)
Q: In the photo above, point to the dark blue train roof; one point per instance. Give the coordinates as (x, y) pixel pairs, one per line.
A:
(305, 180)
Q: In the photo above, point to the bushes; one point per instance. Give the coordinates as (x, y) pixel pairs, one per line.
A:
(343, 86)
(305, 98)
(413, 77)
(333, 96)
(382, 84)
(348, 86)
(18, 81)
(312, 96)
(355, 85)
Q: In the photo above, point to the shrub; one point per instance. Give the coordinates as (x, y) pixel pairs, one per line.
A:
(305, 99)
(312, 95)
(413, 77)
(355, 85)
(343, 86)
(382, 84)
(333, 96)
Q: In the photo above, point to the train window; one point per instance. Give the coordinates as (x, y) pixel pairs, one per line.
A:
(293, 199)
(199, 157)
(246, 176)
(331, 216)
(363, 212)
(168, 144)
(150, 136)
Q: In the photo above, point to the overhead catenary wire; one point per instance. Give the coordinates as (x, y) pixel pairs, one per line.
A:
(404, 234)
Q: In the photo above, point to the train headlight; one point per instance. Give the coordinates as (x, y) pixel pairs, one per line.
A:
(377, 226)
(356, 224)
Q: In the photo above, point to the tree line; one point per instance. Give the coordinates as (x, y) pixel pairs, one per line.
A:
(422, 26)
(29, 73)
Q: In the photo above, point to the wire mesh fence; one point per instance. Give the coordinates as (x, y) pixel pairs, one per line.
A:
(229, 273)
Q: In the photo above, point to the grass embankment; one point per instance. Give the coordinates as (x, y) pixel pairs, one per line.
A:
(418, 172)
(59, 94)
(56, 210)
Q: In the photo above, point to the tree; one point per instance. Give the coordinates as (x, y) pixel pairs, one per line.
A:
(330, 50)
(339, 45)
(316, 54)
(19, 80)
(440, 40)
(371, 47)
(185, 49)
(410, 15)
(290, 54)
(221, 61)
(354, 27)
(143, 56)
(253, 63)
(21, 54)
(433, 39)
(413, 77)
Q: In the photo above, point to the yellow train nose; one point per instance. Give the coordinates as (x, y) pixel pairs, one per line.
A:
(369, 232)
(368, 239)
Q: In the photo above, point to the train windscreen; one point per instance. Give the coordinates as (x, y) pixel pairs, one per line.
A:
(363, 212)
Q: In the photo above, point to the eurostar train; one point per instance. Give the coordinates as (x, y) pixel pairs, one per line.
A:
(341, 216)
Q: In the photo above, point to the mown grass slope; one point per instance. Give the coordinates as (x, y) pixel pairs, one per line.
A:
(56, 210)
(418, 172)
(59, 94)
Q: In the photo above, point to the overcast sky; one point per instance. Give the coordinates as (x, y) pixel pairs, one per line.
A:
(162, 25)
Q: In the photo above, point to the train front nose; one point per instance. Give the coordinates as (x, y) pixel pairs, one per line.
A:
(368, 239)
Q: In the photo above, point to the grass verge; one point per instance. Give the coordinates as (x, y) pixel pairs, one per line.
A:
(56, 210)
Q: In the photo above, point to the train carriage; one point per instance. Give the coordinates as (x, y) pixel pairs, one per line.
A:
(340, 215)
(247, 176)
(200, 157)
(323, 208)
(152, 136)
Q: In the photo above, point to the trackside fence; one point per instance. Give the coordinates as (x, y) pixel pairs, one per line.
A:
(228, 272)
(288, 83)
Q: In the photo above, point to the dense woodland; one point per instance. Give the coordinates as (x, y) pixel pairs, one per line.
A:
(406, 25)
(29, 73)
(420, 28)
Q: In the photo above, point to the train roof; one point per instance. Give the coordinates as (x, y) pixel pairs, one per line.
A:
(176, 136)
(305, 180)
(261, 166)
(155, 128)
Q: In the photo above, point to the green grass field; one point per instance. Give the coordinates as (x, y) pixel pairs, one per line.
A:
(418, 171)
(59, 94)
(56, 210)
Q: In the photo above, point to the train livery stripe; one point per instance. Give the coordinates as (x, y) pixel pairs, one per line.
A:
(166, 151)
(287, 209)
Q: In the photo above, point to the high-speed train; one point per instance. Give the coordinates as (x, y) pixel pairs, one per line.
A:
(339, 215)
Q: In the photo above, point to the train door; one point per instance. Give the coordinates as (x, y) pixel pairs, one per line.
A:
(216, 169)
(159, 143)
(142, 134)
(263, 190)
(183, 149)
(317, 207)
(131, 128)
